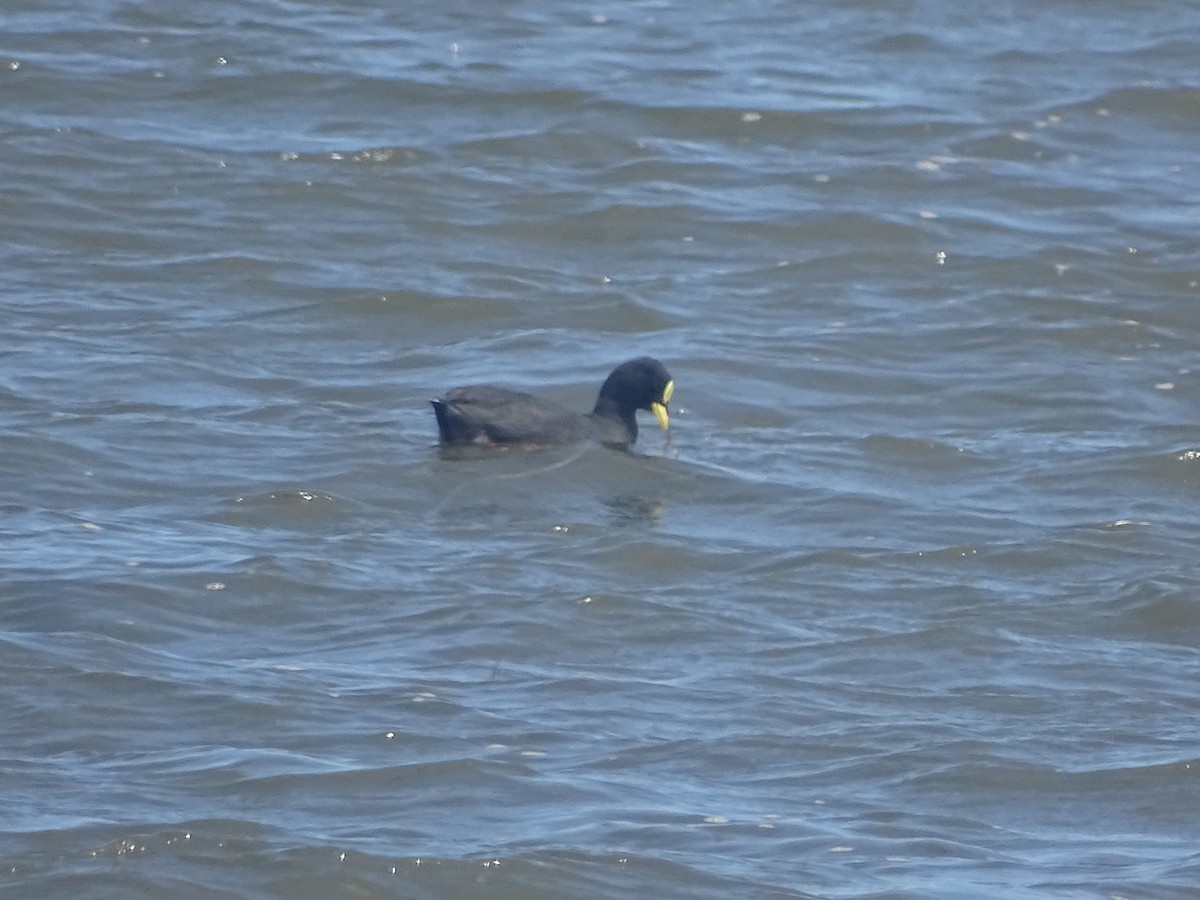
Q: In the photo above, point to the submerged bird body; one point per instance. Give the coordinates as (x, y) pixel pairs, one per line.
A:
(485, 414)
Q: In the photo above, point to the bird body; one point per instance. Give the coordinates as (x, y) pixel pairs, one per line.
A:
(486, 414)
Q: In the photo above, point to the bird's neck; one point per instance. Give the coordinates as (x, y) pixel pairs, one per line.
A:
(608, 410)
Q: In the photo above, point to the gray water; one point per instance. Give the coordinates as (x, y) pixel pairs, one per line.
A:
(906, 604)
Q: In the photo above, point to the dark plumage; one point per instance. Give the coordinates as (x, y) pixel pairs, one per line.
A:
(483, 414)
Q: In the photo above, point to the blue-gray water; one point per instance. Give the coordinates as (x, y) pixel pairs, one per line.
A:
(907, 605)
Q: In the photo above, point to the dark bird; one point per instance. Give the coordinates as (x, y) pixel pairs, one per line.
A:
(484, 414)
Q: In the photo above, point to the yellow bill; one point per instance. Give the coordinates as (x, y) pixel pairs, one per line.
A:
(660, 408)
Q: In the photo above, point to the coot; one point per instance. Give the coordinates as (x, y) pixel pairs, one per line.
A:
(483, 414)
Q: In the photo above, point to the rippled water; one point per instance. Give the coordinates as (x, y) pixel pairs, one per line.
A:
(906, 605)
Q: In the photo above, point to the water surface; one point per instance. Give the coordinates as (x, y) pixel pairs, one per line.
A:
(905, 605)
